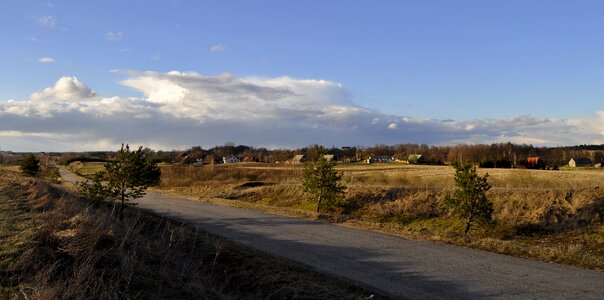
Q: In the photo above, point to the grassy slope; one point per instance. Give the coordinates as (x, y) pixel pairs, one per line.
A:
(53, 245)
(546, 215)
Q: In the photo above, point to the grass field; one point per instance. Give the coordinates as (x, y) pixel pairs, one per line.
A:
(54, 245)
(547, 215)
(87, 169)
(400, 175)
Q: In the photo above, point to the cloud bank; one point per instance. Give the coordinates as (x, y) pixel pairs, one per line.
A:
(178, 109)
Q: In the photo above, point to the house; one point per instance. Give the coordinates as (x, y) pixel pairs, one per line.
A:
(198, 163)
(580, 162)
(231, 159)
(415, 159)
(250, 159)
(328, 157)
(298, 159)
(533, 160)
(379, 159)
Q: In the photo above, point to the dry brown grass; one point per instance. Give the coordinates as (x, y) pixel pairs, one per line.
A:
(187, 175)
(62, 247)
(547, 215)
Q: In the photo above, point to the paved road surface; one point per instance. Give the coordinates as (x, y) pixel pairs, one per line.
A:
(390, 265)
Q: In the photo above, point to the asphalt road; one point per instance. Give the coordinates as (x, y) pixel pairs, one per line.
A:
(393, 266)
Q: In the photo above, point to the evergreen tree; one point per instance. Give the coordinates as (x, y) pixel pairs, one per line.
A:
(322, 182)
(30, 165)
(469, 201)
(95, 191)
(129, 174)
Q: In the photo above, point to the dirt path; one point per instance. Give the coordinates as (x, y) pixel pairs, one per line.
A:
(391, 265)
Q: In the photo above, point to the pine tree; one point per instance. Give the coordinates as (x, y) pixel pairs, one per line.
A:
(469, 201)
(322, 182)
(30, 165)
(129, 174)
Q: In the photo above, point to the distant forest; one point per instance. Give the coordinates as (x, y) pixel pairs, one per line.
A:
(501, 155)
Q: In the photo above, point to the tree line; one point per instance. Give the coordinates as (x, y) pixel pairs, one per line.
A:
(501, 155)
(493, 155)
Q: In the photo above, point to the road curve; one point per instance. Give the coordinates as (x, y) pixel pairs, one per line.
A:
(391, 265)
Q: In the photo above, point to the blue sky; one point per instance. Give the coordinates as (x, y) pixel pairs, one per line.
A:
(473, 62)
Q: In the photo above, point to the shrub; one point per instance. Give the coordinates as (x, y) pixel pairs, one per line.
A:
(30, 165)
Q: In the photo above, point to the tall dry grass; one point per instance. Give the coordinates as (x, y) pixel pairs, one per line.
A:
(548, 199)
(74, 250)
(538, 214)
(187, 175)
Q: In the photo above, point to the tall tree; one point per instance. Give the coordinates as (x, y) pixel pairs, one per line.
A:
(322, 182)
(469, 201)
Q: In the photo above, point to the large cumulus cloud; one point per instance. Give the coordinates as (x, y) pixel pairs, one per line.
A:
(177, 110)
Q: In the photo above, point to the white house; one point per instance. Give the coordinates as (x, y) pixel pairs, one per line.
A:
(231, 159)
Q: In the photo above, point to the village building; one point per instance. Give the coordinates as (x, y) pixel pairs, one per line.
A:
(298, 159)
(533, 160)
(580, 162)
(379, 159)
(250, 159)
(415, 159)
(231, 159)
(198, 163)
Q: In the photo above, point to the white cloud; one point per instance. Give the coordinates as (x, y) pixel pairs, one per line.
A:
(114, 36)
(179, 109)
(46, 60)
(49, 22)
(217, 48)
(66, 88)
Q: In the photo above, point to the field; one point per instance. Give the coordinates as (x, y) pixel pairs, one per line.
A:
(87, 169)
(547, 215)
(55, 245)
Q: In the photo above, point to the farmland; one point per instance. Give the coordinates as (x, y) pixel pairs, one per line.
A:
(547, 215)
